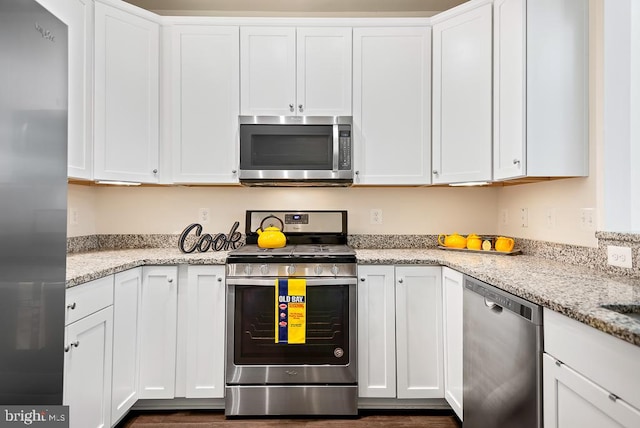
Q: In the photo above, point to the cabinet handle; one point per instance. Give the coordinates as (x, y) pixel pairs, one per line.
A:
(558, 363)
(357, 172)
(300, 109)
(400, 280)
(362, 279)
(155, 171)
(72, 344)
(170, 280)
(435, 172)
(291, 107)
(71, 306)
(613, 397)
(233, 171)
(219, 279)
(516, 161)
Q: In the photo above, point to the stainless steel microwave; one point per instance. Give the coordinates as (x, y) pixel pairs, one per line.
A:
(296, 151)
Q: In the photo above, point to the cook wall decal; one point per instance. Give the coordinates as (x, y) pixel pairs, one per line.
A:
(206, 242)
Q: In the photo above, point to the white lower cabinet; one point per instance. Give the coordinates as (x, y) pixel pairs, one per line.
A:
(205, 334)
(590, 379)
(88, 354)
(400, 332)
(452, 286)
(572, 400)
(157, 332)
(126, 309)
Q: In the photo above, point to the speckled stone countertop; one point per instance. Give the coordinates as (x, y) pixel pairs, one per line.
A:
(575, 291)
(84, 267)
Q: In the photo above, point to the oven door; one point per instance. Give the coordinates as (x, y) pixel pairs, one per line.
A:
(329, 352)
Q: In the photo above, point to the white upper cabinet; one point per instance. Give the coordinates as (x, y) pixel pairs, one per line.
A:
(392, 105)
(204, 88)
(78, 15)
(286, 71)
(126, 94)
(462, 94)
(540, 88)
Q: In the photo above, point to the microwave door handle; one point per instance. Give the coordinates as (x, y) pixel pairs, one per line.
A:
(336, 148)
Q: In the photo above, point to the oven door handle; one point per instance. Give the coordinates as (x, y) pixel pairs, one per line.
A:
(315, 282)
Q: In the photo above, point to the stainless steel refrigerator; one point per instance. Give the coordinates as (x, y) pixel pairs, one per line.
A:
(33, 203)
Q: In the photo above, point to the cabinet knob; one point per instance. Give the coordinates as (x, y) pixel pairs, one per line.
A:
(613, 397)
(170, 280)
(290, 107)
(300, 109)
(516, 161)
(435, 172)
(155, 171)
(234, 171)
(219, 279)
(400, 280)
(71, 305)
(362, 279)
(72, 344)
(357, 172)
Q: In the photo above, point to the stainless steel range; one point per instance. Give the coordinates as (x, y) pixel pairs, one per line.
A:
(291, 318)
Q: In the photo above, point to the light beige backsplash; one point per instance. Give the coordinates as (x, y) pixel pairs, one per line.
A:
(168, 210)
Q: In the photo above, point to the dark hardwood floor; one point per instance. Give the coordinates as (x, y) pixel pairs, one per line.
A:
(216, 419)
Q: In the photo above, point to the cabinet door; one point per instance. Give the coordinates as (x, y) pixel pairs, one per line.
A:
(126, 310)
(126, 96)
(452, 337)
(87, 370)
(462, 97)
(205, 332)
(509, 88)
(571, 400)
(205, 87)
(267, 71)
(392, 105)
(78, 15)
(376, 332)
(419, 332)
(157, 332)
(323, 71)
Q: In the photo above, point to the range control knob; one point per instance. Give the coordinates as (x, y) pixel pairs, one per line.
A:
(318, 269)
(291, 269)
(335, 269)
(248, 269)
(264, 269)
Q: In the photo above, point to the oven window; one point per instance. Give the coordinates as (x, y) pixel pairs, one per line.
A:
(291, 147)
(327, 327)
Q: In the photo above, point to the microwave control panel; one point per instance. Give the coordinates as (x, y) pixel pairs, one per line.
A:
(345, 149)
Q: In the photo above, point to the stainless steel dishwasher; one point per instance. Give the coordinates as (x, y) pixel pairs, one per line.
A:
(502, 359)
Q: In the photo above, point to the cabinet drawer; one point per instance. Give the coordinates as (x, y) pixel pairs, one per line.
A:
(608, 361)
(88, 298)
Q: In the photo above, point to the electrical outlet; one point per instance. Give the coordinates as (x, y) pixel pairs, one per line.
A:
(619, 256)
(550, 218)
(587, 219)
(73, 216)
(204, 215)
(524, 217)
(504, 217)
(375, 216)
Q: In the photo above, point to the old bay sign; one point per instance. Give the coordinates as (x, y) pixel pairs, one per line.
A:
(206, 242)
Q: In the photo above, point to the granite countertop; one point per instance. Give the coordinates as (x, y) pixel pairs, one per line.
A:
(575, 291)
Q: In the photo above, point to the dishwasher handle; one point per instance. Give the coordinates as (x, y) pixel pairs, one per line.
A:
(498, 300)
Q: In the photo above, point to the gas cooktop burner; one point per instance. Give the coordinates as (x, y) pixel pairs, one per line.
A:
(294, 251)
